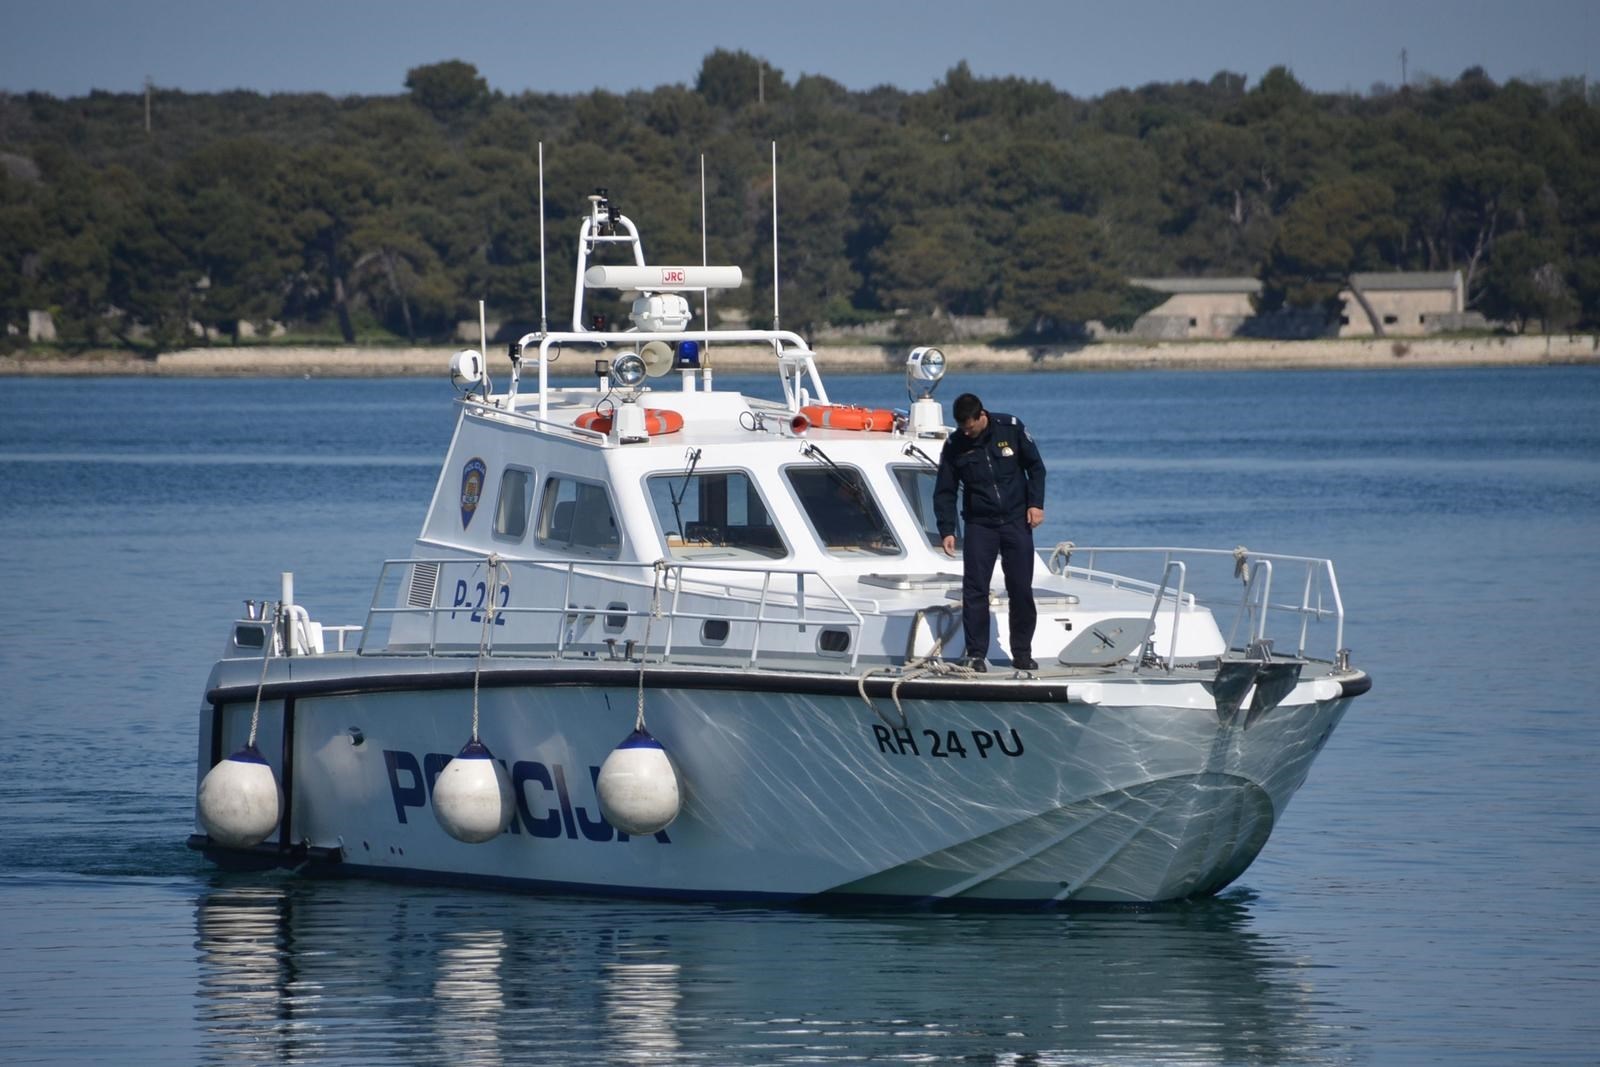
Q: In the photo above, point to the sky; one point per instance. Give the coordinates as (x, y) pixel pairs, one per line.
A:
(364, 47)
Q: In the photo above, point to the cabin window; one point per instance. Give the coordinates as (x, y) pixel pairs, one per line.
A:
(1390, 320)
(514, 503)
(577, 518)
(250, 636)
(916, 485)
(842, 511)
(714, 515)
(833, 642)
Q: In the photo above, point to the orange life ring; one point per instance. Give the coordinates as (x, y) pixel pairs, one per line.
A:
(846, 417)
(656, 421)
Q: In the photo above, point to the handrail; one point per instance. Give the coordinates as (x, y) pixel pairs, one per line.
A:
(672, 576)
(1319, 593)
(1177, 601)
(481, 408)
(794, 362)
(1249, 605)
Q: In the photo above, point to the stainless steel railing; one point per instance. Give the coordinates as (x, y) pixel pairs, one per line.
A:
(1283, 622)
(743, 595)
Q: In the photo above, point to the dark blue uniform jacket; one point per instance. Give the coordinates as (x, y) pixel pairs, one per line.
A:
(999, 471)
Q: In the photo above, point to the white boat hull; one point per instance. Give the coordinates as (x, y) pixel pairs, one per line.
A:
(996, 791)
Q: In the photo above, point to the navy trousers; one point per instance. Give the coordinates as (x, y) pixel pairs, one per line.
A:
(1013, 544)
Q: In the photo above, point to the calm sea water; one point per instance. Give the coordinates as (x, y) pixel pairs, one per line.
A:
(1432, 896)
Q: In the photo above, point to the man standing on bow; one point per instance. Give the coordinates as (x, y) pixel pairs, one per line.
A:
(998, 468)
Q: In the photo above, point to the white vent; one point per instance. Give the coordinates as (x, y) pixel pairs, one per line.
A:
(424, 583)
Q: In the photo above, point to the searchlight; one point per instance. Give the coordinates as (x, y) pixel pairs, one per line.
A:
(925, 368)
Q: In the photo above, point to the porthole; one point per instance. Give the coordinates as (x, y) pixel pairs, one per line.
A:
(833, 642)
(714, 632)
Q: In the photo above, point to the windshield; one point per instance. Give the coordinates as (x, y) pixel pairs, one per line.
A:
(714, 515)
(842, 510)
(916, 485)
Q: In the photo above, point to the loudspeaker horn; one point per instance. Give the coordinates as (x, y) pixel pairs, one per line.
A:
(658, 358)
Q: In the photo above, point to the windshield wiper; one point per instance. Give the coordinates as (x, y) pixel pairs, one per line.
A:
(856, 491)
(913, 450)
(811, 451)
(683, 490)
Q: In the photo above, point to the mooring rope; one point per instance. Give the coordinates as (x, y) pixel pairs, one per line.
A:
(496, 565)
(655, 612)
(931, 665)
(255, 715)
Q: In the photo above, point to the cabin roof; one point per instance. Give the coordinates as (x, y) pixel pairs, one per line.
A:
(718, 417)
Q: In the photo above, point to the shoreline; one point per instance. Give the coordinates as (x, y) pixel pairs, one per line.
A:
(430, 361)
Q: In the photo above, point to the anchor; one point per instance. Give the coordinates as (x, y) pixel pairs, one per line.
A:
(1272, 680)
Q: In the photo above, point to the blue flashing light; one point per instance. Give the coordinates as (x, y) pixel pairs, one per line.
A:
(688, 356)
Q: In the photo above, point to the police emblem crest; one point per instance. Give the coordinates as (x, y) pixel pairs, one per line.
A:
(472, 475)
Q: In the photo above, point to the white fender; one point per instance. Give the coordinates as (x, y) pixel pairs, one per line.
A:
(239, 800)
(638, 786)
(472, 796)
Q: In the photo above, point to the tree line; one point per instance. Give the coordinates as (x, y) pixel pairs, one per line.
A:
(370, 218)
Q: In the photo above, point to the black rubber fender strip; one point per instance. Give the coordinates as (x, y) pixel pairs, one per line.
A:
(1354, 687)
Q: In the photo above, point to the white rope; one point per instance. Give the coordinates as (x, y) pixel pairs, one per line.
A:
(931, 665)
(495, 567)
(255, 716)
(655, 611)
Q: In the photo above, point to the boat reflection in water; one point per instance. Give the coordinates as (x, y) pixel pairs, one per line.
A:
(469, 994)
(642, 1001)
(365, 972)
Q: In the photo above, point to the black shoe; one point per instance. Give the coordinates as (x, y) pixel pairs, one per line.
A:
(975, 663)
(1025, 663)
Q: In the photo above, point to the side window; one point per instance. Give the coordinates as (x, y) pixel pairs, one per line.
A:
(842, 511)
(576, 517)
(916, 485)
(514, 503)
(714, 515)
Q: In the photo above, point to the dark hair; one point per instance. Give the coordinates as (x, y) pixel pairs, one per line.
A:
(967, 406)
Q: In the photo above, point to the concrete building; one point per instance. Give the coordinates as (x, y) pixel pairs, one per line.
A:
(1210, 308)
(1408, 303)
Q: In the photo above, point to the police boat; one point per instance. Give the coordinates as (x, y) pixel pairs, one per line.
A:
(659, 639)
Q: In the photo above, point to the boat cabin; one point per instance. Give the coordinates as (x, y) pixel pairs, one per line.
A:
(567, 520)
